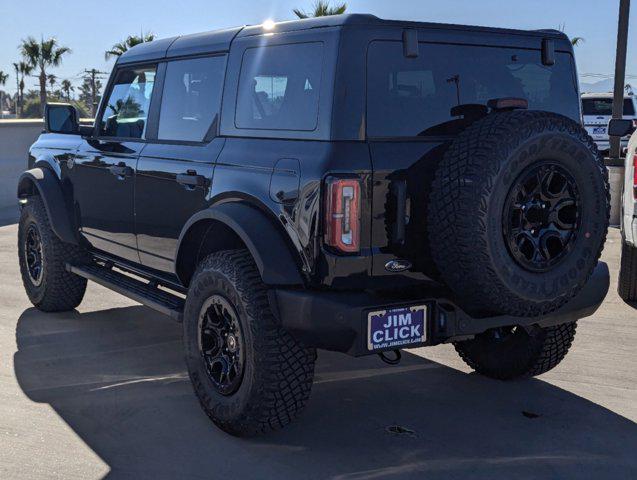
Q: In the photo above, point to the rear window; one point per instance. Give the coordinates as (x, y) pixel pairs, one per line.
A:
(604, 106)
(279, 87)
(409, 97)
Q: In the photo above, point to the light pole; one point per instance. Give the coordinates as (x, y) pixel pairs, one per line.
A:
(620, 73)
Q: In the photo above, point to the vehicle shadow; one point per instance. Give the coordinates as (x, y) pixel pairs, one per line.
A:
(117, 378)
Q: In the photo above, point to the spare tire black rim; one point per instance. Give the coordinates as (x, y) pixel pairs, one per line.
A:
(542, 213)
(221, 344)
(33, 253)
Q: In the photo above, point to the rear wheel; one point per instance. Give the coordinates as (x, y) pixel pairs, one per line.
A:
(513, 352)
(43, 257)
(249, 374)
(518, 213)
(627, 286)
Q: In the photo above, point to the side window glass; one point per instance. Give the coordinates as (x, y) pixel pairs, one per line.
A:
(279, 87)
(191, 99)
(126, 112)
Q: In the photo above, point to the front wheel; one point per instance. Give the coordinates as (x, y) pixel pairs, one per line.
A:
(513, 352)
(249, 374)
(43, 257)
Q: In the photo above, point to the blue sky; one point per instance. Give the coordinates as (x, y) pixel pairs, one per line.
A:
(89, 27)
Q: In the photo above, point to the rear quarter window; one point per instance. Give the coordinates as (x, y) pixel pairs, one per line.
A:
(408, 97)
(279, 87)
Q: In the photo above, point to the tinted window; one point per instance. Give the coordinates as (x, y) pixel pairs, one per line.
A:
(126, 111)
(279, 87)
(414, 96)
(604, 106)
(191, 99)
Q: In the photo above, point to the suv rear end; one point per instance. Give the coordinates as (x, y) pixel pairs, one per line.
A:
(597, 110)
(410, 92)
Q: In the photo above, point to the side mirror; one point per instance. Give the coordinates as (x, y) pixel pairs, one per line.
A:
(61, 118)
(619, 127)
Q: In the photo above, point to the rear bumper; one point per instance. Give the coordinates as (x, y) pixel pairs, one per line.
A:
(338, 320)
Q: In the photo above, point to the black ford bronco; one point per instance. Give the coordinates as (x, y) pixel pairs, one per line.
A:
(343, 183)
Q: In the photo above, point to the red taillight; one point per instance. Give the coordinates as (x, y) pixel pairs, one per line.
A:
(635, 177)
(342, 214)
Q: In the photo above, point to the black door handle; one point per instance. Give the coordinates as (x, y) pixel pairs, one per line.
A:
(191, 179)
(121, 170)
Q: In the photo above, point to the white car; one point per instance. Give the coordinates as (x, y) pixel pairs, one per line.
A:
(597, 110)
(627, 285)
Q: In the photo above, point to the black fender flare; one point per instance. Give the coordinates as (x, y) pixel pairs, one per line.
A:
(48, 187)
(272, 254)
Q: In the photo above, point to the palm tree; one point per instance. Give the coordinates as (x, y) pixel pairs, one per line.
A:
(43, 55)
(22, 69)
(67, 88)
(3, 81)
(52, 79)
(120, 47)
(575, 41)
(321, 9)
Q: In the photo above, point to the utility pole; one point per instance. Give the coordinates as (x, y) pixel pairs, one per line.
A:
(92, 75)
(620, 73)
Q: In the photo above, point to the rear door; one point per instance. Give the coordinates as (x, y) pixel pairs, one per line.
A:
(103, 171)
(410, 125)
(174, 173)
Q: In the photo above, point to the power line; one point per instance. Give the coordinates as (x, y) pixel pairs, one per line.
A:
(604, 75)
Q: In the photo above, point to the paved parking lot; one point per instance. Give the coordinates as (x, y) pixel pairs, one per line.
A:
(102, 392)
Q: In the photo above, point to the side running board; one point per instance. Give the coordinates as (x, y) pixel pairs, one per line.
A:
(145, 293)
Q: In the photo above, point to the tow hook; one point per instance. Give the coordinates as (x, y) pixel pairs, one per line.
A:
(388, 360)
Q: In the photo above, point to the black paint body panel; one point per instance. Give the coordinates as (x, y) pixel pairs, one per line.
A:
(140, 218)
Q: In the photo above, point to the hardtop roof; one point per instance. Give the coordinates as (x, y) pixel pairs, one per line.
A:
(220, 40)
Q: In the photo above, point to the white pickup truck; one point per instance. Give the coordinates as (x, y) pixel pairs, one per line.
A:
(597, 110)
(627, 284)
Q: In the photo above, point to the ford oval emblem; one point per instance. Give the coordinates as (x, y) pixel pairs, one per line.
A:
(397, 265)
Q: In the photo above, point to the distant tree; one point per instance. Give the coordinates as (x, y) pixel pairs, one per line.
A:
(575, 41)
(321, 8)
(132, 40)
(3, 81)
(22, 69)
(67, 87)
(31, 107)
(43, 55)
(85, 95)
(52, 79)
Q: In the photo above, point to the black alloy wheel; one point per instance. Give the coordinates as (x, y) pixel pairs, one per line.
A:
(541, 216)
(221, 344)
(34, 254)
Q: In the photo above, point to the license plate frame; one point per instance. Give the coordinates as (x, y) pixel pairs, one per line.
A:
(397, 327)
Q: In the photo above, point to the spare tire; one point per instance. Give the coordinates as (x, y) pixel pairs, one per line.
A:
(518, 213)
